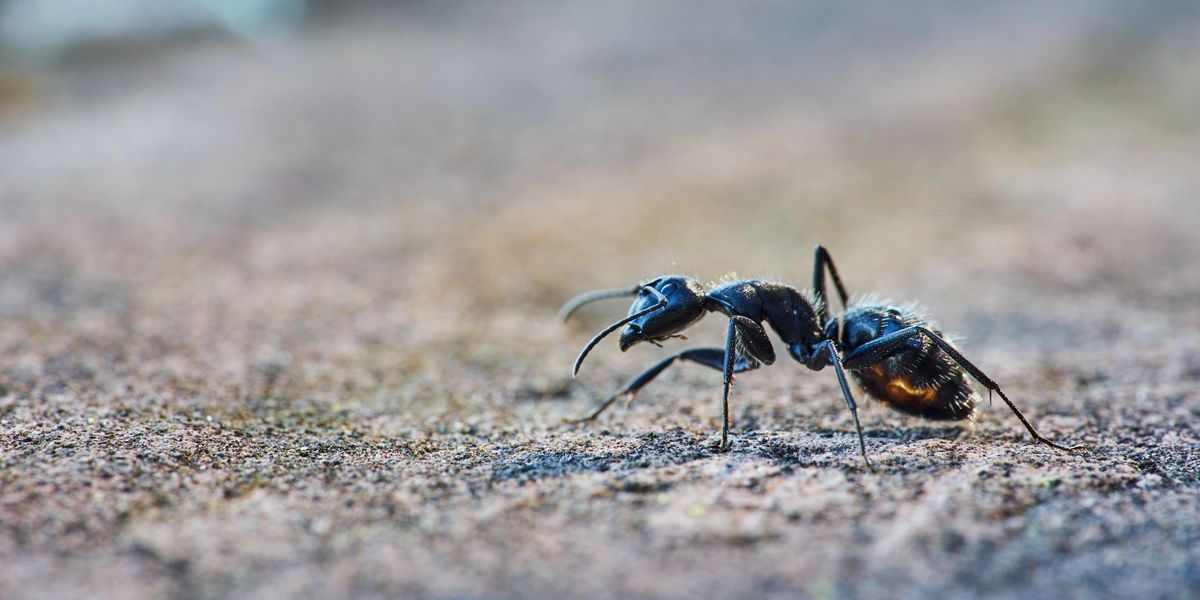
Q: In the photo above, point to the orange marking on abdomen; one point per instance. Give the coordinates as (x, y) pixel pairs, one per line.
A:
(902, 388)
(898, 391)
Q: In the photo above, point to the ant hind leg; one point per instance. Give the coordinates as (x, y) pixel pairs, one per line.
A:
(878, 349)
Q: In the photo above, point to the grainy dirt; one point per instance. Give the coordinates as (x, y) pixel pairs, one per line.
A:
(278, 320)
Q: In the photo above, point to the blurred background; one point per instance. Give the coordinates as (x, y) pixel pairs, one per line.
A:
(316, 217)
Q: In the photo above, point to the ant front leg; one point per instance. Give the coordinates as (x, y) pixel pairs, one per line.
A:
(879, 349)
(713, 358)
(752, 338)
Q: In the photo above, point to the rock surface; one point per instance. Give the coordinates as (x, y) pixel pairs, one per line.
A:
(278, 320)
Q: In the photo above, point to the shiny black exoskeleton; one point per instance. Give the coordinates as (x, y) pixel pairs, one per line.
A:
(893, 353)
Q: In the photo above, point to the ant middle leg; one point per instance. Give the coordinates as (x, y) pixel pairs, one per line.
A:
(879, 349)
(827, 353)
(821, 261)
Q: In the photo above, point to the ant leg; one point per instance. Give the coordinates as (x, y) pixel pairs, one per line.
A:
(752, 338)
(727, 369)
(876, 350)
(821, 260)
(826, 352)
(713, 358)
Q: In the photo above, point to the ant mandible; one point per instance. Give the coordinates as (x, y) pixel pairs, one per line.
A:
(893, 352)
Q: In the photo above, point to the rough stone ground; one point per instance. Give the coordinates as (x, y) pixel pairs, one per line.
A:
(277, 320)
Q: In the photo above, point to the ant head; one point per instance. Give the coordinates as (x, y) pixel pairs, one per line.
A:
(663, 307)
(681, 303)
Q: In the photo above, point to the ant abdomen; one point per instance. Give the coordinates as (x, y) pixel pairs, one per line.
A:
(918, 378)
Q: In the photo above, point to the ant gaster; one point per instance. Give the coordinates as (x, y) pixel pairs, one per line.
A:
(892, 352)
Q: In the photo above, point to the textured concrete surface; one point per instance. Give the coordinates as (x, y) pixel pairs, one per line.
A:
(277, 320)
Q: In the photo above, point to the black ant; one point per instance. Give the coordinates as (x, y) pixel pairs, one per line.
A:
(893, 353)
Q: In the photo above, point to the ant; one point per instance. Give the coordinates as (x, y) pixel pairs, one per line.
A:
(893, 353)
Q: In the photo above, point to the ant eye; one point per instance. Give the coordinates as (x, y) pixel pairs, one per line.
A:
(667, 289)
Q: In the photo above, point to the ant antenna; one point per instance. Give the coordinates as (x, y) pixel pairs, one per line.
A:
(573, 304)
(662, 302)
